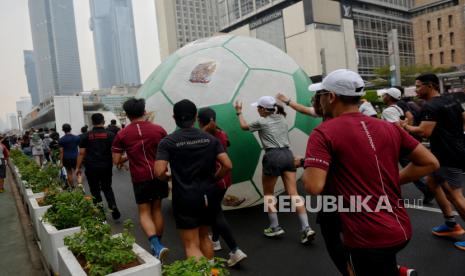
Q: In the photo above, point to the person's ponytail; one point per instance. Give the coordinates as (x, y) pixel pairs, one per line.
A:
(280, 110)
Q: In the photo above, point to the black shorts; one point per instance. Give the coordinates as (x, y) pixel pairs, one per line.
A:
(2, 170)
(455, 177)
(193, 213)
(278, 160)
(148, 191)
(69, 164)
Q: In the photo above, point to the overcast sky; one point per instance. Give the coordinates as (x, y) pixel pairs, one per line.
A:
(15, 33)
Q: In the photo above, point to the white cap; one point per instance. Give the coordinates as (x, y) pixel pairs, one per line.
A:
(267, 102)
(342, 82)
(393, 92)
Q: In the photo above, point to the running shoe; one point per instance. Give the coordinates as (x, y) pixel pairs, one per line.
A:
(216, 245)
(446, 231)
(115, 214)
(307, 236)
(273, 231)
(460, 245)
(236, 257)
(160, 252)
(405, 271)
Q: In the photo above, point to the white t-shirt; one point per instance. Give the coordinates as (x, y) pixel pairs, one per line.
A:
(367, 108)
(392, 113)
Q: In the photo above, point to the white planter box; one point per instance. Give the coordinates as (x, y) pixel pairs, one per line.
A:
(150, 266)
(36, 211)
(51, 239)
(27, 194)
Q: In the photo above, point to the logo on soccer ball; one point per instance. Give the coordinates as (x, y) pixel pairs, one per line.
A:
(202, 73)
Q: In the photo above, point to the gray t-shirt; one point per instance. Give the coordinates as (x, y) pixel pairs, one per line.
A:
(272, 130)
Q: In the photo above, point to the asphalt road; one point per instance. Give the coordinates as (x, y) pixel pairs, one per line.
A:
(431, 256)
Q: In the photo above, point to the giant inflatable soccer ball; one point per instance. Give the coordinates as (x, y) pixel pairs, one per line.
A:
(217, 71)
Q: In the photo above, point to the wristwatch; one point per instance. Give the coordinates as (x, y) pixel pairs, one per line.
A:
(288, 102)
(302, 162)
(238, 113)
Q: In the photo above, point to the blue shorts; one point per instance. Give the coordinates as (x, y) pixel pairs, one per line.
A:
(453, 176)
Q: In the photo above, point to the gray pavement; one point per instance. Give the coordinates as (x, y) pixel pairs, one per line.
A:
(17, 253)
(431, 256)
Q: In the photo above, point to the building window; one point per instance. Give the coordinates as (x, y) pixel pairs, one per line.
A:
(439, 23)
(451, 21)
(452, 55)
(430, 42)
(431, 59)
(440, 40)
(441, 57)
(428, 26)
(451, 38)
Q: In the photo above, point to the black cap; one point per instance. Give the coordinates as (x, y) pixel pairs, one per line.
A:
(206, 115)
(184, 112)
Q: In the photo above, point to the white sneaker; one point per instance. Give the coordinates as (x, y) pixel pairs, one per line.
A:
(216, 245)
(307, 236)
(236, 257)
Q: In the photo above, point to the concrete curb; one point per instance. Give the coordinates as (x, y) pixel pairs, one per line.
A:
(33, 250)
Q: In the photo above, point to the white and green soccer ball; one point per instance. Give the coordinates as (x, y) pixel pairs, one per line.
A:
(217, 71)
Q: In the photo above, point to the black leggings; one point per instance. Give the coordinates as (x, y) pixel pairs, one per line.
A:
(221, 226)
(375, 261)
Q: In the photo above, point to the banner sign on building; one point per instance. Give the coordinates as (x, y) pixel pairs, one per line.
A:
(346, 9)
(266, 19)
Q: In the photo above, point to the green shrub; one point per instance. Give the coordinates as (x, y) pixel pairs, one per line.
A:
(70, 208)
(192, 267)
(103, 253)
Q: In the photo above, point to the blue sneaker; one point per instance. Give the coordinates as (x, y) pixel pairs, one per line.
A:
(159, 251)
(446, 231)
(460, 245)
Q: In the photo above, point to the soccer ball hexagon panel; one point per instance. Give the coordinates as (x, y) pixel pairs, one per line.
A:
(217, 71)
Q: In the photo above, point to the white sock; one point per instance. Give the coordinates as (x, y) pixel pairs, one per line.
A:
(304, 221)
(273, 219)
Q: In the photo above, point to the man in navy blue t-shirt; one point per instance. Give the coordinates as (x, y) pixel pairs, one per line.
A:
(69, 151)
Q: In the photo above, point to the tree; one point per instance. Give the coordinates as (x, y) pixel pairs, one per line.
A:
(407, 73)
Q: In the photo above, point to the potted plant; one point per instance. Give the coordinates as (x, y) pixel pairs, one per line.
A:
(63, 219)
(94, 251)
(193, 267)
(39, 203)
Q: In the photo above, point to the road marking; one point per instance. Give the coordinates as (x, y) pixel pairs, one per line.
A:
(428, 209)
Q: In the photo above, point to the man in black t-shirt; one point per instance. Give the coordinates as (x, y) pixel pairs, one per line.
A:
(113, 127)
(95, 152)
(442, 121)
(192, 155)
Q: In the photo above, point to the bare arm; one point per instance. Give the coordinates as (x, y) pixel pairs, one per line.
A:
(296, 106)
(425, 129)
(161, 170)
(422, 163)
(409, 117)
(61, 155)
(118, 158)
(226, 165)
(242, 121)
(82, 155)
(314, 180)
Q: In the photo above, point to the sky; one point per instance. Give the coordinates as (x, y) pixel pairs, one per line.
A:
(15, 31)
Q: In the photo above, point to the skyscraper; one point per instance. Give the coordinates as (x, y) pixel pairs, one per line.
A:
(112, 24)
(55, 47)
(30, 70)
(183, 21)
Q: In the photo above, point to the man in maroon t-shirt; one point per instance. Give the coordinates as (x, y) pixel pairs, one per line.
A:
(140, 141)
(357, 157)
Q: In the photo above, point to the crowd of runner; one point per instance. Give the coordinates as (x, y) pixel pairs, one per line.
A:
(353, 152)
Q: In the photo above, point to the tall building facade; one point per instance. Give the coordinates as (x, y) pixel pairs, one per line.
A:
(24, 106)
(439, 32)
(373, 19)
(112, 24)
(184, 21)
(317, 34)
(31, 77)
(55, 47)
